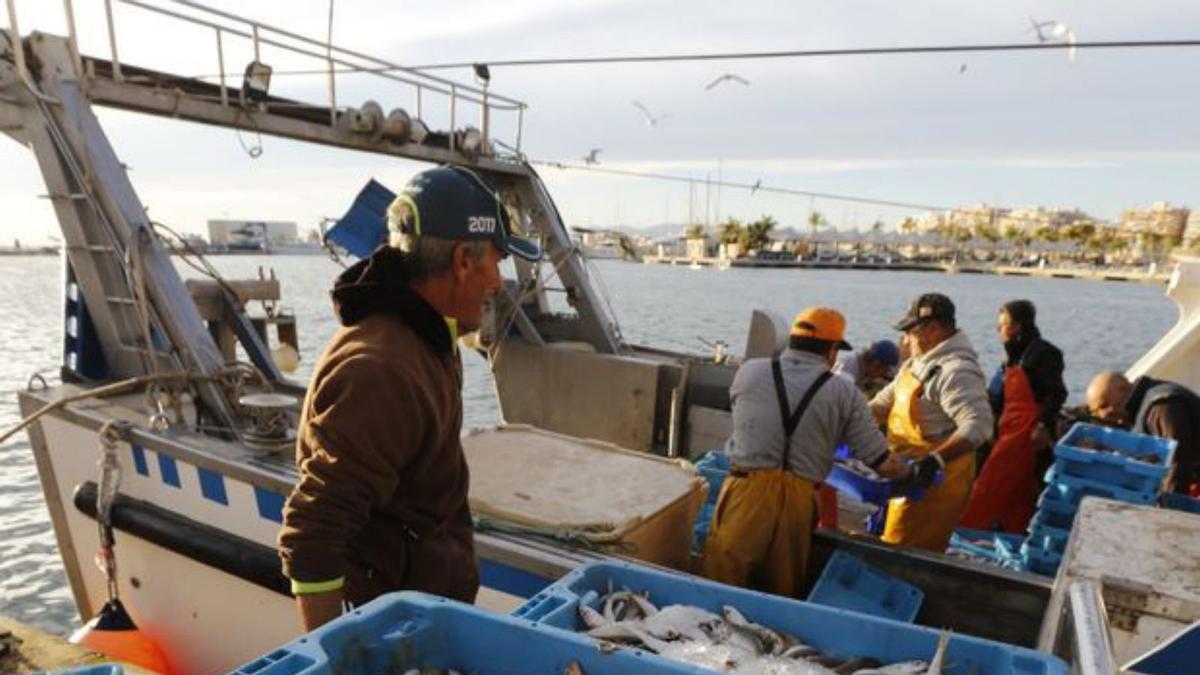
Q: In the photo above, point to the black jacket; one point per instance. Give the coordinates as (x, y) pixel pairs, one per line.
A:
(1043, 365)
(1169, 410)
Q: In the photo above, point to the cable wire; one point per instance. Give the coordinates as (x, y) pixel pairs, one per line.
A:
(759, 55)
(753, 187)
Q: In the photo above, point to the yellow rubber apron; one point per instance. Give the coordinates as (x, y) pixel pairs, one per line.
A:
(763, 522)
(929, 522)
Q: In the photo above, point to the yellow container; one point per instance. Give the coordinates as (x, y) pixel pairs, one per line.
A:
(620, 501)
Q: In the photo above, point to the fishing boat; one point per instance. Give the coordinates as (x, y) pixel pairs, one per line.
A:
(201, 444)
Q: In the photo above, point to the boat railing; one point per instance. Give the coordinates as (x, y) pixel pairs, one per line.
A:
(322, 57)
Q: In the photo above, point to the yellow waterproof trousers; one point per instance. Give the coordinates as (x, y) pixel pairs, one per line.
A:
(761, 532)
(927, 523)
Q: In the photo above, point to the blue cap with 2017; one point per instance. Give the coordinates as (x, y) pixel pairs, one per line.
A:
(453, 202)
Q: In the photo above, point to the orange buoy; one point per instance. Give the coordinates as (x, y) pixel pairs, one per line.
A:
(113, 633)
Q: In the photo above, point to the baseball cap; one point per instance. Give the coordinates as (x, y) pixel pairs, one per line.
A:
(453, 202)
(926, 308)
(885, 352)
(821, 323)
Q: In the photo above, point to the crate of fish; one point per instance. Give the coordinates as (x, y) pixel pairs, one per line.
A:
(849, 583)
(995, 548)
(414, 632)
(1054, 510)
(1121, 458)
(1072, 489)
(730, 629)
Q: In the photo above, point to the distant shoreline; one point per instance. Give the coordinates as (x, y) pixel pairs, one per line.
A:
(1122, 274)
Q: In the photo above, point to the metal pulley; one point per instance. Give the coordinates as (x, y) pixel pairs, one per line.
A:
(270, 421)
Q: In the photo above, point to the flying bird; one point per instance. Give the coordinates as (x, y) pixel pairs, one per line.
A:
(728, 77)
(591, 158)
(1054, 31)
(757, 184)
(962, 69)
(651, 119)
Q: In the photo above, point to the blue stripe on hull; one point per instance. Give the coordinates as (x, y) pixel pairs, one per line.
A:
(212, 486)
(139, 460)
(169, 470)
(270, 504)
(501, 577)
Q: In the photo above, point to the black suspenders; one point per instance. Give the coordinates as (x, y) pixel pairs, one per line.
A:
(789, 417)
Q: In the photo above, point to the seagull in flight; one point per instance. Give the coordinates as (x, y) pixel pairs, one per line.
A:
(1054, 31)
(962, 69)
(591, 158)
(651, 119)
(728, 77)
(757, 184)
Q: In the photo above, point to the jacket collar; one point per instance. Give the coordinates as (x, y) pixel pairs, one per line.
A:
(381, 284)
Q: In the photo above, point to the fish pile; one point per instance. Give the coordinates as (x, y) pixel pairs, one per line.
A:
(728, 642)
(1096, 446)
(856, 466)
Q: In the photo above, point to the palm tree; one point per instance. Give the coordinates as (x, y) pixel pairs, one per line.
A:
(696, 232)
(730, 231)
(758, 233)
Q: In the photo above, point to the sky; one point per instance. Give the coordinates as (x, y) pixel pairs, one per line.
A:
(1110, 130)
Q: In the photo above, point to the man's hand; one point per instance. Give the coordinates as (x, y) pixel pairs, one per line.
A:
(1040, 438)
(318, 609)
(920, 477)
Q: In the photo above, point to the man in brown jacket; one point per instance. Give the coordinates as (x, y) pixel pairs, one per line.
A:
(381, 502)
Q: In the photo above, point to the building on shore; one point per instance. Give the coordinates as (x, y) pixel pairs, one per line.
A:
(1160, 219)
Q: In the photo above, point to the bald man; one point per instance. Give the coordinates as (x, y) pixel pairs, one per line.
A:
(1158, 408)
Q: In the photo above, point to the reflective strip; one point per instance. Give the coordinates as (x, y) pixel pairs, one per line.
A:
(311, 587)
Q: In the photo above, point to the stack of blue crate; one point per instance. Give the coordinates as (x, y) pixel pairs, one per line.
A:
(1092, 461)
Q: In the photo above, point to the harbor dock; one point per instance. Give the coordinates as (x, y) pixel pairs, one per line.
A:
(1094, 274)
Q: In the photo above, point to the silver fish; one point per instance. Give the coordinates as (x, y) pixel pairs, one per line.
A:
(902, 668)
(591, 618)
(777, 665)
(939, 655)
(772, 642)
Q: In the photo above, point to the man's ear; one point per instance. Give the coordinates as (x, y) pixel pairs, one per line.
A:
(460, 262)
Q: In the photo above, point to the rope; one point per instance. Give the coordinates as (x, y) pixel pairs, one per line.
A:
(559, 535)
(127, 385)
(106, 494)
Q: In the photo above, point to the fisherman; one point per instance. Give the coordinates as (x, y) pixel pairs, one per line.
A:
(381, 500)
(1027, 402)
(789, 415)
(1158, 408)
(869, 369)
(937, 414)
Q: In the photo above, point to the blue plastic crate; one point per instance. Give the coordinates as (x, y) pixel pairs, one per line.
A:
(1071, 489)
(1040, 561)
(1178, 502)
(850, 583)
(404, 631)
(1054, 510)
(1120, 468)
(1050, 539)
(838, 632)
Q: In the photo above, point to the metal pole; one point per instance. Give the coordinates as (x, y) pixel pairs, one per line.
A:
(520, 125)
(112, 42)
(221, 69)
(453, 114)
(484, 115)
(254, 32)
(1093, 644)
(72, 37)
(420, 113)
(329, 62)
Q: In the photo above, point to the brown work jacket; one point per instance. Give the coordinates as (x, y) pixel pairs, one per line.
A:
(382, 494)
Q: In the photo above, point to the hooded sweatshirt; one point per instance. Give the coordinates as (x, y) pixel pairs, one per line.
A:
(955, 400)
(381, 501)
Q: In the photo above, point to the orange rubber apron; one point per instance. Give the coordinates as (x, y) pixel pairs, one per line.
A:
(929, 522)
(764, 518)
(1005, 495)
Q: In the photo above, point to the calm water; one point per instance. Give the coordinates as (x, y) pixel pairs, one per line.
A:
(1098, 326)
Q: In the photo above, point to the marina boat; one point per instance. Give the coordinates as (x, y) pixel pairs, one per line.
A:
(202, 445)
